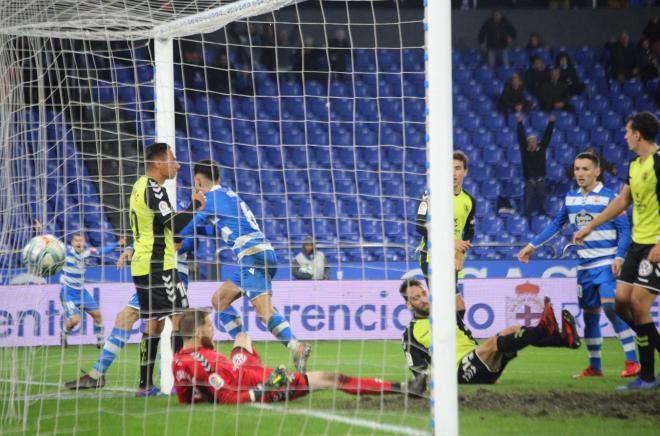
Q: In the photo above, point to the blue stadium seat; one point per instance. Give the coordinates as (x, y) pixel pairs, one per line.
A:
(632, 88)
(470, 122)
(587, 120)
(623, 105)
(484, 74)
(480, 171)
(493, 155)
(600, 136)
(565, 120)
(598, 104)
(539, 223)
(576, 137)
(494, 122)
(490, 189)
(517, 225)
(491, 225)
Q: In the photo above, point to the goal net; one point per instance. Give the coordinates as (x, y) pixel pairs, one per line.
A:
(314, 112)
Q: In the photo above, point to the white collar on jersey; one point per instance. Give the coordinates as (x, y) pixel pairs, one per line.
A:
(215, 188)
(596, 190)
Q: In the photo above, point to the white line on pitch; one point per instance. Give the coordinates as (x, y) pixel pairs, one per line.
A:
(357, 422)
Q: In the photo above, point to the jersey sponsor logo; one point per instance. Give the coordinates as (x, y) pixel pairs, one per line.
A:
(423, 208)
(214, 220)
(251, 271)
(216, 381)
(164, 208)
(583, 218)
(645, 268)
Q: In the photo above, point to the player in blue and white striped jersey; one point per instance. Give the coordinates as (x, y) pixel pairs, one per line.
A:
(601, 258)
(236, 225)
(73, 295)
(121, 331)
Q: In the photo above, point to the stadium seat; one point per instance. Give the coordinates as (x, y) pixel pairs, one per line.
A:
(490, 189)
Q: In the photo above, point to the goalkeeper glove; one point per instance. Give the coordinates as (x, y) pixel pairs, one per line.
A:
(278, 379)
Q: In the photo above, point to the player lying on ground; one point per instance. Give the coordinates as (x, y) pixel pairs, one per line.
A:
(75, 299)
(639, 279)
(479, 363)
(121, 331)
(601, 258)
(204, 375)
(236, 225)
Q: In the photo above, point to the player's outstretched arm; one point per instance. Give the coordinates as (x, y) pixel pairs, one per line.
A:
(546, 235)
(614, 209)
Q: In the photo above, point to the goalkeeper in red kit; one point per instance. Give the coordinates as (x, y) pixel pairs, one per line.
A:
(204, 375)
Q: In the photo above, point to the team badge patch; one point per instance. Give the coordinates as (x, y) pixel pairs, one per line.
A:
(216, 381)
(645, 268)
(583, 218)
(164, 208)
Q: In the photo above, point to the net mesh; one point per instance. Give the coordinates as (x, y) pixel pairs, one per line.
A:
(315, 114)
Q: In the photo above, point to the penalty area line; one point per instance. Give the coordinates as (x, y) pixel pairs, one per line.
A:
(356, 422)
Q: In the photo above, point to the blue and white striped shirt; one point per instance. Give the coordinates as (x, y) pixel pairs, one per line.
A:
(605, 243)
(73, 272)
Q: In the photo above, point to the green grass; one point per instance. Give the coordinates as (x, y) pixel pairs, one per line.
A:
(114, 411)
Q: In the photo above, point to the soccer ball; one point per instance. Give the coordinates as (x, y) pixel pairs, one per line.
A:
(44, 255)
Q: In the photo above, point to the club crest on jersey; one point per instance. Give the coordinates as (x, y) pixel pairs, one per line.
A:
(583, 218)
(164, 208)
(216, 381)
(238, 360)
(645, 268)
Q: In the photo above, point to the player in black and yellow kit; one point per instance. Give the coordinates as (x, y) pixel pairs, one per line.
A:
(464, 210)
(639, 281)
(153, 267)
(478, 363)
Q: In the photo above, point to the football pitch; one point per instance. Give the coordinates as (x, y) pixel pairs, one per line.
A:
(536, 395)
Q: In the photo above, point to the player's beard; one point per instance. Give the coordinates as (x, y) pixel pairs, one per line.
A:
(421, 313)
(207, 343)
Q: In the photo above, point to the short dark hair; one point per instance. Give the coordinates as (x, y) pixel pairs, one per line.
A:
(191, 320)
(590, 156)
(73, 235)
(646, 124)
(408, 283)
(154, 152)
(207, 168)
(461, 157)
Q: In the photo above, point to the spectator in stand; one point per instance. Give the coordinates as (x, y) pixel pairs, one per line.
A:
(242, 82)
(535, 76)
(286, 52)
(310, 263)
(568, 74)
(218, 74)
(513, 96)
(648, 60)
(623, 58)
(533, 156)
(339, 51)
(651, 31)
(554, 95)
(495, 36)
(534, 42)
(310, 61)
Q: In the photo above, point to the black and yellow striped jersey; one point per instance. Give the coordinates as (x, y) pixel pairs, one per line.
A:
(644, 182)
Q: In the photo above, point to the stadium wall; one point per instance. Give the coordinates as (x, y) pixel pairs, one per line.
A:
(572, 27)
(324, 310)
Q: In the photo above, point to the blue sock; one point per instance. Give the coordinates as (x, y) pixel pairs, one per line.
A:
(98, 331)
(623, 331)
(280, 328)
(593, 339)
(230, 320)
(115, 343)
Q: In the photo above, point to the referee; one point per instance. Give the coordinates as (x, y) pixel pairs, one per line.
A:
(639, 279)
(153, 267)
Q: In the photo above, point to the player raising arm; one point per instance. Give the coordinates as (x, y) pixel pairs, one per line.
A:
(204, 375)
(639, 280)
(600, 261)
(478, 363)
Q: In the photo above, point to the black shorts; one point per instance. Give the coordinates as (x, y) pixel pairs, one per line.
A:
(161, 294)
(472, 371)
(424, 265)
(637, 270)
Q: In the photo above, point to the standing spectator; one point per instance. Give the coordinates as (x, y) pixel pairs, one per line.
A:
(513, 96)
(553, 94)
(568, 74)
(339, 51)
(535, 76)
(648, 60)
(310, 263)
(533, 162)
(652, 30)
(495, 36)
(534, 42)
(623, 58)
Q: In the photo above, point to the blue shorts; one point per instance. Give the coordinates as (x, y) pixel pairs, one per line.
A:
(256, 274)
(134, 302)
(595, 284)
(75, 302)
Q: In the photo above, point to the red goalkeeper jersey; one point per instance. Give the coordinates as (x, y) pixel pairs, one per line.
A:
(204, 375)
